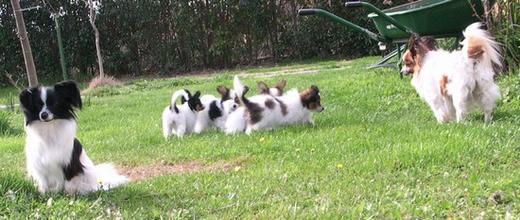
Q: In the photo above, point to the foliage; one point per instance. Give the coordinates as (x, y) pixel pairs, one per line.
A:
(167, 37)
(140, 37)
(507, 23)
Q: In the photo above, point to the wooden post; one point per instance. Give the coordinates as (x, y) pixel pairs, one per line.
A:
(24, 41)
(60, 47)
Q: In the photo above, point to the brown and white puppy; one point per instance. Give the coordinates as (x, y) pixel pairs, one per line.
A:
(452, 83)
(265, 112)
(236, 121)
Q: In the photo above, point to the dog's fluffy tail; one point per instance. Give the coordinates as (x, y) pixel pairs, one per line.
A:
(238, 87)
(240, 91)
(98, 177)
(479, 44)
(107, 176)
(179, 93)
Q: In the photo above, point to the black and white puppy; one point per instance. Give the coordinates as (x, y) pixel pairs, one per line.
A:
(216, 110)
(56, 159)
(180, 119)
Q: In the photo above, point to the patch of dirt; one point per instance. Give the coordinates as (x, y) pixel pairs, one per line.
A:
(138, 173)
(287, 71)
(101, 81)
(280, 73)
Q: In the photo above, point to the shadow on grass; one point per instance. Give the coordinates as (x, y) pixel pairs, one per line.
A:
(19, 197)
(504, 115)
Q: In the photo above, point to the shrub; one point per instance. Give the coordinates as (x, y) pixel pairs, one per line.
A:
(507, 28)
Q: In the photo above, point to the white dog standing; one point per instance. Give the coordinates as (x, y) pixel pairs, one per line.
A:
(453, 83)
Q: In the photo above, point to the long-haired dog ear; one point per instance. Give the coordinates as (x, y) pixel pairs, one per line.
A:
(264, 89)
(429, 43)
(223, 90)
(413, 43)
(25, 97)
(197, 94)
(189, 93)
(183, 100)
(70, 92)
(315, 89)
(280, 85)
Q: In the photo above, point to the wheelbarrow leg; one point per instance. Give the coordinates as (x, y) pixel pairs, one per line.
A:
(384, 62)
(399, 59)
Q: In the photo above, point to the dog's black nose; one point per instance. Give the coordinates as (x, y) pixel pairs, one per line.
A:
(44, 115)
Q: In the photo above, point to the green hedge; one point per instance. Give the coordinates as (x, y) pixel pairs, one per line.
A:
(165, 37)
(140, 37)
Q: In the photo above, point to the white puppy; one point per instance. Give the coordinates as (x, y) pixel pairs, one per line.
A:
(180, 119)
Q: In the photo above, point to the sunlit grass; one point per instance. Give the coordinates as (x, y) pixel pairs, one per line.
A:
(375, 152)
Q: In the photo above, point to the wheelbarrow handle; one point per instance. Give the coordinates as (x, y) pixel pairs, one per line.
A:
(307, 11)
(353, 4)
(335, 18)
(373, 9)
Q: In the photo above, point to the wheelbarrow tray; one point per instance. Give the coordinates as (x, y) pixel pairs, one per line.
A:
(440, 18)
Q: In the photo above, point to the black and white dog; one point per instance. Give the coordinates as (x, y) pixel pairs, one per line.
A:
(216, 110)
(55, 158)
(180, 119)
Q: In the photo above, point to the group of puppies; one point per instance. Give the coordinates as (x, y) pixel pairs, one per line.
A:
(234, 113)
(57, 162)
(450, 82)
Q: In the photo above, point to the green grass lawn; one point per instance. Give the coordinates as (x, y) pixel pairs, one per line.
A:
(375, 152)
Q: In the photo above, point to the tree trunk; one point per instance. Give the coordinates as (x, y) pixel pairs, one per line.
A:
(92, 19)
(26, 46)
(487, 15)
(273, 33)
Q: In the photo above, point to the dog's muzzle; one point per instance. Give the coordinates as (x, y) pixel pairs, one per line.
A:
(406, 71)
(45, 115)
(199, 108)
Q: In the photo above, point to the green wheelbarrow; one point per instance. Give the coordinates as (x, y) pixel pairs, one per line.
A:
(436, 18)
